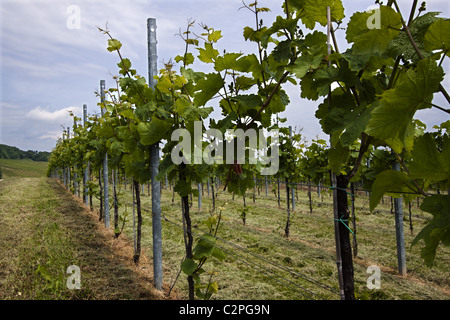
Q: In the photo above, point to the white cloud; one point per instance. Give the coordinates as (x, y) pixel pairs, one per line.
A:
(51, 116)
(52, 135)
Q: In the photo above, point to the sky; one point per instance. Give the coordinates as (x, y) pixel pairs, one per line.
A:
(52, 56)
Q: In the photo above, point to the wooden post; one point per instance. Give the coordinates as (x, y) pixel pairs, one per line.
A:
(134, 215)
(355, 243)
(116, 204)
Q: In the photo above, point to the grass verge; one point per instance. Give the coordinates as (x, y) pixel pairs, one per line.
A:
(44, 231)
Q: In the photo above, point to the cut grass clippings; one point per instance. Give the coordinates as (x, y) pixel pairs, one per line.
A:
(261, 263)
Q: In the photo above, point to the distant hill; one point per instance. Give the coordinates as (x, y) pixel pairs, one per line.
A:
(8, 152)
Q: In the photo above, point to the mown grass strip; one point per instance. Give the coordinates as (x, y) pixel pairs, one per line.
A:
(44, 231)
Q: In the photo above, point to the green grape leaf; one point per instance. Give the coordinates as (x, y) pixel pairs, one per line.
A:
(278, 103)
(207, 240)
(250, 34)
(192, 77)
(419, 27)
(427, 162)
(308, 88)
(349, 124)
(127, 113)
(153, 131)
(188, 111)
(280, 23)
(239, 184)
(184, 188)
(218, 254)
(215, 36)
(438, 229)
(246, 102)
(295, 4)
(313, 54)
(316, 11)
(356, 61)
(392, 181)
(391, 120)
(124, 65)
(337, 156)
(376, 39)
(317, 84)
(188, 266)
(193, 42)
(438, 36)
(201, 251)
(188, 58)
(234, 61)
(209, 54)
(282, 51)
(207, 88)
(244, 83)
(117, 148)
(253, 35)
(227, 61)
(114, 45)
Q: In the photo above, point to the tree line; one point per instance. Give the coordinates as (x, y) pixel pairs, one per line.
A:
(9, 152)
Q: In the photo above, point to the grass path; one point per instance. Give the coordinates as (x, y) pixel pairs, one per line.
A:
(44, 230)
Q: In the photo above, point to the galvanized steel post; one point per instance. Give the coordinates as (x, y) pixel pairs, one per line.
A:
(64, 168)
(154, 163)
(75, 174)
(292, 184)
(105, 161)
(86, 170)
(68, 167)
(399, 234)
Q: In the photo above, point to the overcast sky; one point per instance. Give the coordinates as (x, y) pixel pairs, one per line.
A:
(49, 67)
